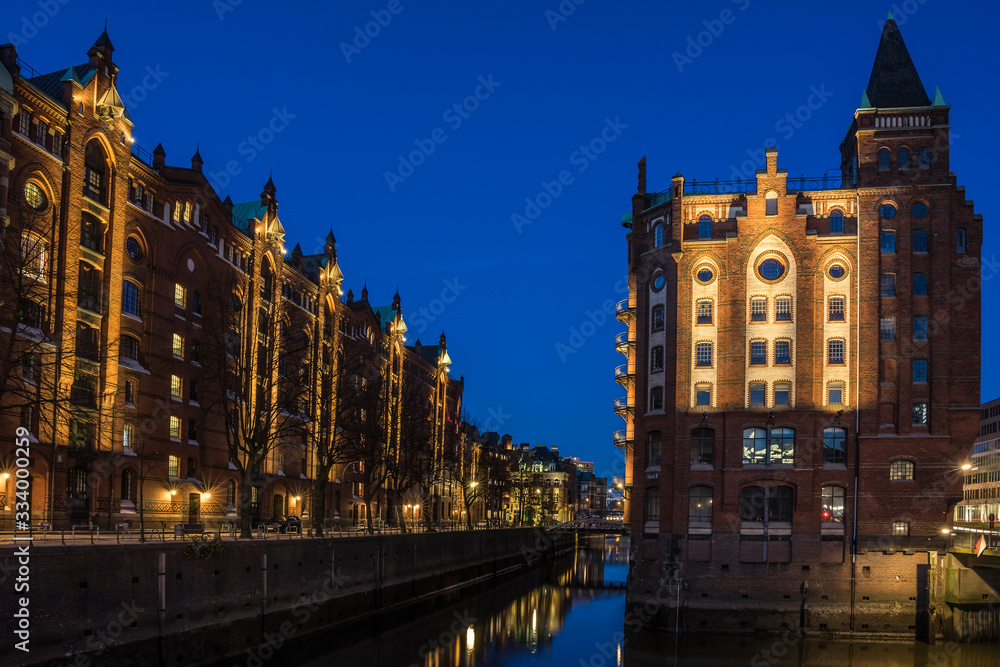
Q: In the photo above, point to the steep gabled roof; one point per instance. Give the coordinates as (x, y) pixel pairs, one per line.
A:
(246, 210)
(51, 83)
(894, 82)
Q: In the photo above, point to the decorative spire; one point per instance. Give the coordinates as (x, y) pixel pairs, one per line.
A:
(443, 341)
(395, 299)
(196, 161)
(267, 197)
(350, 296)
(330, 247)
(865, 103)
(938, 98)
(364, 291)
(894, 82)
(159, 157)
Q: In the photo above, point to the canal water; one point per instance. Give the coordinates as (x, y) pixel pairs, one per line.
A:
(571, 613)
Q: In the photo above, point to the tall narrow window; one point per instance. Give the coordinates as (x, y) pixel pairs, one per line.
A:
(924, 155)
(126, 485)
(703, 356)
(904, 158)
(656, 398)
(888, 284)
(173, 466)
(888, 241)
(231, 493)
(771, 203)
(654, 451)
(130, 297)
(702, 446)
(835, 351)
(783, 309)
(782, 448)
(656, 319)
(919, 328)
(178, 345)
(754, 445)
(887, 328)
(129, 391)
(705, 227)
(656, 359)
(128, 434)
(652, 504)
(757, 394)
(758, 352)
(960, 240)
(920, 413)
(658, 235)
(196, 303)
(175, 427)
(758, 309)
(704, 312)
(836, 309)
(782, 394)
(179, 295)
(920, 370)
(175, 386)
(836, 222)
(833, 504)
(883, 159)
(93, 172)
(700, 505)
(919, 240)
(835, 445)
(782, 352)
(919, 284)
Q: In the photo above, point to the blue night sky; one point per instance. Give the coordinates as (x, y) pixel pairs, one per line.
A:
(511, 295)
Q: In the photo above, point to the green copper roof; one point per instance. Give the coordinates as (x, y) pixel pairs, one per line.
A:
(244, 211)
(938, 98)
(865, 104)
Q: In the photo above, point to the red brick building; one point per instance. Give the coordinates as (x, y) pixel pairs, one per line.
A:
(803, 377)
(119, 273)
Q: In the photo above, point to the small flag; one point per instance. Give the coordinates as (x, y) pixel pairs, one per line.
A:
(981, 545)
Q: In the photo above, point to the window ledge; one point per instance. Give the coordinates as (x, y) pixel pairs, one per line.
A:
(132, 316)
(834, 466)
(702, 466)
(193, 442)
(176, 399)
(129, 404)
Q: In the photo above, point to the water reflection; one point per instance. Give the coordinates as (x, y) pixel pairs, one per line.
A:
(571, 613)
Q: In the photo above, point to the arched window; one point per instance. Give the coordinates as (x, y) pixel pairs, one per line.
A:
(901, 528)
(702, 446)
(126, 485)
(700, 506)
(658, 234)
(771, 203)
(655, 448)
(901, 471)
(130, 297)
(833, 504)
(34, 253)
(656, 320)
(705, 227)
(883, 159)
(836, 222)
(656, 359)
(835, 445)
(924, 156)
(129, 347)
(94, 177)
(904, 158)
(266, 282)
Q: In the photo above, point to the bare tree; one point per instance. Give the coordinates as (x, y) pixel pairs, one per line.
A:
(416, 469)
(257, 363)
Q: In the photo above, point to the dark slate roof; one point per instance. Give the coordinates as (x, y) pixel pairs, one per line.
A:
(894, 82)
(243, 211)
(51, 83)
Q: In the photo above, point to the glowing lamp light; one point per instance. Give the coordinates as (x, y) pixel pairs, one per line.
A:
(966, 466)
(946, 530)
(6, 475)
(206, 495)
(173, 492)
(298, 498)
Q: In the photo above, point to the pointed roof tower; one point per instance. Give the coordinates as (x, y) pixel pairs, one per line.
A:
(267, 198)
(894, 82)
(196, 161)
(330, 247)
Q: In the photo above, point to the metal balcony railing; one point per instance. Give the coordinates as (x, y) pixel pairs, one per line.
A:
(623, 442)
(624, 311)
(623, 343)
(622, 407)
(624, 373)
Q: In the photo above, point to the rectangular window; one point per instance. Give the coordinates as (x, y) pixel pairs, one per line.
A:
(57, 144)
(704, 229)
(196, 303)
(836, 309)
(26, 417)
(901, 528)
(833, 504)
(782, 352)
(920, 413)
(24, 122)
(836, 222)
(919, 284)
(704, 312)
(836, 351)
(656, 321)
(704, 354)
(129, 391)
(771, 206)
(173, 466)
(178, 345)
(782, 393)
(656, 398)
(703, 395)
(175, 427)
(919, 240)
(887, 328)
(960, 240)
(783, 309)
(920, 370)
(652, 504)
(888, 284)
(43, 129)
(757, 390)
(835, 445)
(192, 429)
(758, 310)
(656, 359)
(127, 436)
(179, 295)
(919, 328)
(130, 297)
(175, 386)
(835, 393)
(758, 352)
(888, 241)
(193, 390)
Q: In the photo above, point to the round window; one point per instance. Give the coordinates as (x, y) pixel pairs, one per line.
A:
(919, 210)
(133, 248)
(34, 196)
(705, 274)
(837, 271)
(658, 283)
(771, 269)
(888, 211)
